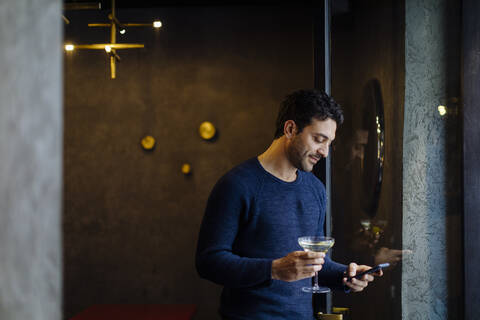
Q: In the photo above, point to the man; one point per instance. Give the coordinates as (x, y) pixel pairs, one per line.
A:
(257, 211)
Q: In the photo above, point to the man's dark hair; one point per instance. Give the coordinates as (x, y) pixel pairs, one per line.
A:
(303, 105)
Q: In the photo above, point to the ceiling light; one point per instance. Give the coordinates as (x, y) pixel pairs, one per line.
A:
(157, 24)
(122, 31)
(108, 48)
(69, 47)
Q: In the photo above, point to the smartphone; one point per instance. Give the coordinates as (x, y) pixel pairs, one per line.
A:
(374, 269)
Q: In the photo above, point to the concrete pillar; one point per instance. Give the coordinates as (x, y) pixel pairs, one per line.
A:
(30, 159)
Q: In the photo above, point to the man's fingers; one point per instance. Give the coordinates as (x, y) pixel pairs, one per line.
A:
(307, 254)
(313, 261)
(297, 253)
(310, 269)
(359, 284)
(311, 255)
(397, 252)
(306, 272)
(297, 265)
(352, 269)
(305, 258)
(378, 273)
(355, 284)
(368, 278)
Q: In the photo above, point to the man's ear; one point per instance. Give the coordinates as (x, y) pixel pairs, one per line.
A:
(289, 129)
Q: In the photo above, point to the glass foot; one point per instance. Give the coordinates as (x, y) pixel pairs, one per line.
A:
(316, 289)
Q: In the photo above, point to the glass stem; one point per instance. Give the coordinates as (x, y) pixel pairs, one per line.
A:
(315, 284)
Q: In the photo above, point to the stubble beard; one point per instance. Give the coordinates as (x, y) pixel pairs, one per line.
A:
(297, 156)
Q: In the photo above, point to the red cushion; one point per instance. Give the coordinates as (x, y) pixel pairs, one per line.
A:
(138, 312)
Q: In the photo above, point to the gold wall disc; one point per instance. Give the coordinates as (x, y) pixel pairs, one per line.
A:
(207, 130)
(148, 142)
(186, 168)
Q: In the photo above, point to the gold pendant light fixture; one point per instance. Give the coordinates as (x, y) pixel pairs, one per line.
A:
(112, 47)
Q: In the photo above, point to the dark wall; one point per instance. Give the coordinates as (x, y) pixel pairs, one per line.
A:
(131, 218)
(471, 151)
(368, 46)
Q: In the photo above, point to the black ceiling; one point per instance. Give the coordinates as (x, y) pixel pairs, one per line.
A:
(106, 4)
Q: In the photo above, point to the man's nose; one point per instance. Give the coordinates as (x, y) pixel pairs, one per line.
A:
(323, 150)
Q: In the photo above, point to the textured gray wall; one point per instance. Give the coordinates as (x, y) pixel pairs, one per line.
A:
(431, 215)
(30, 159)
(131, 218)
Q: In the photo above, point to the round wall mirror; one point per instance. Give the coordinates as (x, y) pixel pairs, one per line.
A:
(374, 128)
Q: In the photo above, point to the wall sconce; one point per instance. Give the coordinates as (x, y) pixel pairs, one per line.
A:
(448, 108)
(442, 110)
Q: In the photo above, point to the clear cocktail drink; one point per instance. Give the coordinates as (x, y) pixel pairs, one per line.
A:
(316, 244)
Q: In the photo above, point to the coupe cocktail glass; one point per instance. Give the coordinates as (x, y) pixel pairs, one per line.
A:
(316, 244)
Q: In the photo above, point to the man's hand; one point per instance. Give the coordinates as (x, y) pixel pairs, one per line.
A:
(391, 256)
(297, 265)
(357, 285)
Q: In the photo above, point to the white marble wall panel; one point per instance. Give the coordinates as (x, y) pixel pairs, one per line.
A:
(30, 159)
(424, 275)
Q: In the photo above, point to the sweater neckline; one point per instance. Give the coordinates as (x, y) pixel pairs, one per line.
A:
(276, 179)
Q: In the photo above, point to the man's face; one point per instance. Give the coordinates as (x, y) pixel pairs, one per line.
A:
(306, 148)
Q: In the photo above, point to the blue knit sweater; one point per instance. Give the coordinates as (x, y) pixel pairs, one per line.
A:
(251, 219)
